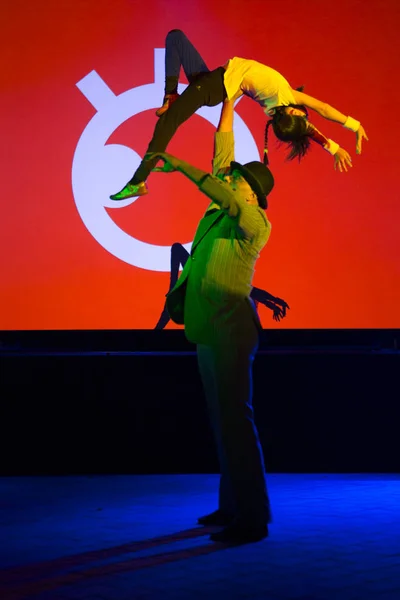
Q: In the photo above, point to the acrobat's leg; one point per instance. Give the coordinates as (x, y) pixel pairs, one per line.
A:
(180, 52)
(208, 90)
(179, 256)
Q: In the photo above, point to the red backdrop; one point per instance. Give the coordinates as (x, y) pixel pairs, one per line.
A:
(333, 254)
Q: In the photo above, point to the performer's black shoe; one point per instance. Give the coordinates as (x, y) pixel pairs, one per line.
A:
(218, 517)
(168, 100)
(239, 532)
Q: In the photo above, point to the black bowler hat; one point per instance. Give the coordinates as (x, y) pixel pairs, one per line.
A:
(259, 178)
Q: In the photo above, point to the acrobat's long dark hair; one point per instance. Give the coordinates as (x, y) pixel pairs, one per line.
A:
(294, 130)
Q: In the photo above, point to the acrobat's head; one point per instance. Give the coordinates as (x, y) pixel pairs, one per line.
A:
(290, 125)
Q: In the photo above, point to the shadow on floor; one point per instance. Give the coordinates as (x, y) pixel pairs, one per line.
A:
(19, 582)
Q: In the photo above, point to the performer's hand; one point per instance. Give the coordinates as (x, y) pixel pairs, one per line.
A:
(342, 160)
(169, 161)
(360, 135)
(284, 305)
(277, 313)
(166, 168)
(151, 155)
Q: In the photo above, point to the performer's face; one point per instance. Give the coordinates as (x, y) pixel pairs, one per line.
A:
(240, 185)
(295, 111)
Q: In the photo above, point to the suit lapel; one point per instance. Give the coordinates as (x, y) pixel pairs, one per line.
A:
(204, 226)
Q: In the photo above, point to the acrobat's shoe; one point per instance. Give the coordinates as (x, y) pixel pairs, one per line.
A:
(168, 100)
(130, 191)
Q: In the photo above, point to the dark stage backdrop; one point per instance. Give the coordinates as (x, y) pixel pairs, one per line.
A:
(80, 84)
(116, 413)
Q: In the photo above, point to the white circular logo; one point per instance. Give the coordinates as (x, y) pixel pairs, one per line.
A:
(99, 169)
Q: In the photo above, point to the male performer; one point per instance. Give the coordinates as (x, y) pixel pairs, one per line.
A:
(286, 106)
(212, 300)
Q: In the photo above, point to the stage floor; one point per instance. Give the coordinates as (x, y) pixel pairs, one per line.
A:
(120, 537)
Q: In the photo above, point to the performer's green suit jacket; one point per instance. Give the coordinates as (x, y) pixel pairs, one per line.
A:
(212, 295)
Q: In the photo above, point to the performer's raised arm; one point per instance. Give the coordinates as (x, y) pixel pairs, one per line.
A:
(327, 111)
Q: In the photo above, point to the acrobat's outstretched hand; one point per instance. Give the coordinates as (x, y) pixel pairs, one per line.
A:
(342, 160)
(360, 136)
